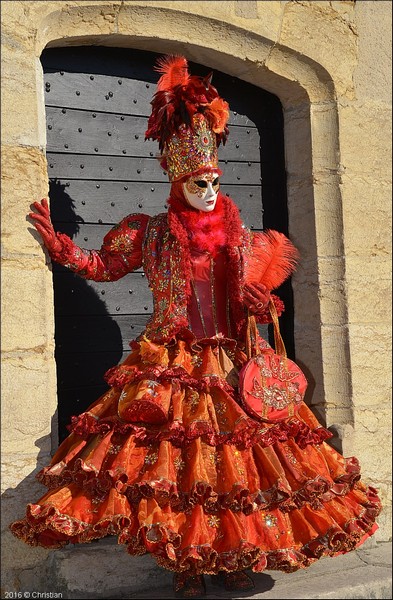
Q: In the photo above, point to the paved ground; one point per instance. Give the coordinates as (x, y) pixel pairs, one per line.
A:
(365, 573)
(104, 570)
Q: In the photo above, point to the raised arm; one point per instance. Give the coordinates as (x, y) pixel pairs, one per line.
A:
(120, 253)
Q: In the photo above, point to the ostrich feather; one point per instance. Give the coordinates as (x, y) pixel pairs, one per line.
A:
(178, 97)
(218, 113)
(273, 259)
(173, 71)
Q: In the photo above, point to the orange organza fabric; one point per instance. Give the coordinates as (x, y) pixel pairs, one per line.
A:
(207, 489)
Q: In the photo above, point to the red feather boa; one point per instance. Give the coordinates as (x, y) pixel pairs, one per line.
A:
(205, 231)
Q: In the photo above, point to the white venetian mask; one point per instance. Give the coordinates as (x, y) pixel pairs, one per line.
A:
(201, 191)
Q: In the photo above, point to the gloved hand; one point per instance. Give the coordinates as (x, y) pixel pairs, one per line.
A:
(43, 225)
(256, 297)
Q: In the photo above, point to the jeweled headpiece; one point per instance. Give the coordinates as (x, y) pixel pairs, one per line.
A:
(188, 119)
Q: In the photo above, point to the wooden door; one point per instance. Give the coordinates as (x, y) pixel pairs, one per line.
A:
(101, 169)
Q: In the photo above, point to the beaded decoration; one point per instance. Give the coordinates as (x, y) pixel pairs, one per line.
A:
(190, 150)
(188, 119)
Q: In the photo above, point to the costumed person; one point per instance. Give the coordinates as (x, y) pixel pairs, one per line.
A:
(202, 452)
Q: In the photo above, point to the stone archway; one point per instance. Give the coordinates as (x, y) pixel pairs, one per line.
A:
(306, 91)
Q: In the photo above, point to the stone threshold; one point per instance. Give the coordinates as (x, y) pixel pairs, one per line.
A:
(103, 569)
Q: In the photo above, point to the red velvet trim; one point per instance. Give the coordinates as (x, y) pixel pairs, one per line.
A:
(203, 559)
(120, 375)
(314, 492)
(247, 432)
(47, 527)
(238, 499)
(317, 491)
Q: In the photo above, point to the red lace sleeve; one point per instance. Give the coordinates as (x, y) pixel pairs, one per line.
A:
(120, 253)
(264, 317)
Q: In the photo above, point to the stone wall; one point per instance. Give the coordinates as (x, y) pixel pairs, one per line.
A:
(329, 63)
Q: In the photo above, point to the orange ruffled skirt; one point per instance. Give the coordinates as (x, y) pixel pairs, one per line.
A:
(198, 483)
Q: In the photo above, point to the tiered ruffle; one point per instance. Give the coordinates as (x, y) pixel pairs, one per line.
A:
(210, 489)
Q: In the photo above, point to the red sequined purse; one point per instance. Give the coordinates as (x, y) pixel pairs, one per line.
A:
(271, 385)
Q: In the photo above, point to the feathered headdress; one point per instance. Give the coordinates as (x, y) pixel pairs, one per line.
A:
(188, 119)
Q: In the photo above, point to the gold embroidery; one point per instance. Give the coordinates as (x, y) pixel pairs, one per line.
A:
(179, 463)
(196, 360)
(213, 521)
(192, 399)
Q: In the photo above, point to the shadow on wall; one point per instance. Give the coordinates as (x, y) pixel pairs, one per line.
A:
(33, 575)
(84, 351)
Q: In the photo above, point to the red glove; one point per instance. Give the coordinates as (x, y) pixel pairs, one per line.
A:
(256, 297)
(43, 225)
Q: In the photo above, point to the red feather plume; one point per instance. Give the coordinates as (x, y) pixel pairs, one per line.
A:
(273, 259)
(173, 71)
(178, 97)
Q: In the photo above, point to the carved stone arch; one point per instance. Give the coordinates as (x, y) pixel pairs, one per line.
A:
(307, 93)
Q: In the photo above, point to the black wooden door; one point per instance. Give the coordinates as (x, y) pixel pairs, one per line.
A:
(101, 169)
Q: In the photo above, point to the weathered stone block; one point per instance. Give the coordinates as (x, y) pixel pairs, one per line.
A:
(369, 288)
(324, 125)
(336, 369)
(27, 299)
(375, 461)
(315, 210)
(297, 81)
(303, 28)
(301, 210)
(17, 26)
(213, 22)
(298, 146)
(367, 213)
(29, 401)
(368, 128)
(246, 10)
(371, 358)
(366, 398)
(18, 473)
(343, 434)
(19, 559)
(307, 303)
(373, 71)
(22, 102)
(81, 20)
(332, 293)
(24, 180)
